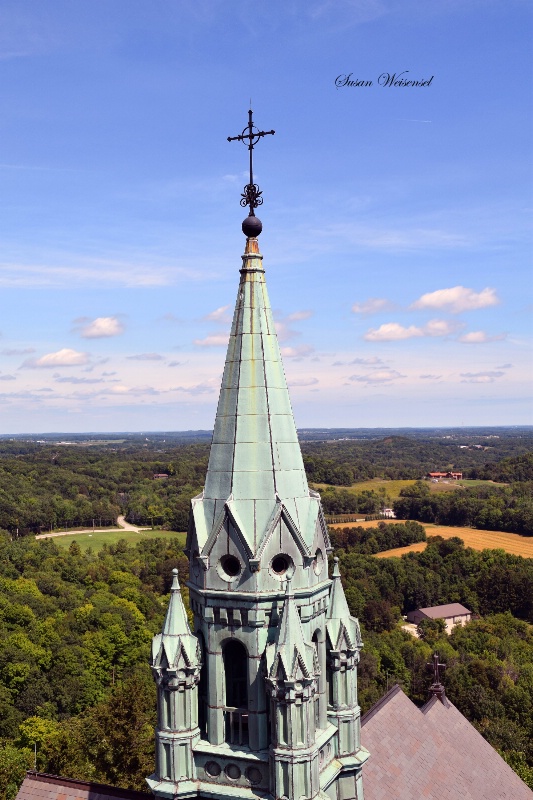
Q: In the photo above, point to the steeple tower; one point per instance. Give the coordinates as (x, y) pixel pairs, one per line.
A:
(259, 587)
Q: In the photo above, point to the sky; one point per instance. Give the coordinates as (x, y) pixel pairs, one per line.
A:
(396, 218)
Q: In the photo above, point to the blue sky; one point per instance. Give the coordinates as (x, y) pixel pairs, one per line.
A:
(396, 222)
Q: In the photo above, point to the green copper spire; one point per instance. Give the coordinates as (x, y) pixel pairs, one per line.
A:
(290, 656)
(256, 475)
(176, 633)
(339, 620)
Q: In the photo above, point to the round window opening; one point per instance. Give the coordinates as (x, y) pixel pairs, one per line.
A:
(213, 769)
(280, 565)
(231, 566)
(233, 772)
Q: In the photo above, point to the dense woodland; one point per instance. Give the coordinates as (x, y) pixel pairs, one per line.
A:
(75, 627)
(497, 508)
(48, 485)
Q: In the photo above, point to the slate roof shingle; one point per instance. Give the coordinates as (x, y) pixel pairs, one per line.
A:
(40, 786)
(433, 753)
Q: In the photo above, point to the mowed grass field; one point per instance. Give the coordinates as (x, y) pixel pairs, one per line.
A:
(472, 537)
(393, 488)
(97, 539)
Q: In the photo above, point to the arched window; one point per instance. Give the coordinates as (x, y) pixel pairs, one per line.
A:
(236, 677)
(236, 671)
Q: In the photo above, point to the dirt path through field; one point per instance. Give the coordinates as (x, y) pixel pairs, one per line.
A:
(121, 522)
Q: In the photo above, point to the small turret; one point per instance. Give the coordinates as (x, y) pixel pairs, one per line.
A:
(344, 644)
(292, 680)
(175, 662)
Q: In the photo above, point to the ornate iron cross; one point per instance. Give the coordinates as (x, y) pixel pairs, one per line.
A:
(251, 195)
(436, 667)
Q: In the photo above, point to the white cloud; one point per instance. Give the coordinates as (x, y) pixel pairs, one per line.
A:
(457, 299)
(479, 337)
(175, 363)
(7, 378)
(170, 317)
(102, 327)
(371, 361)
(392, 332)
(439, 327)
(283, 324)
(98, 272)
(214, 340)
(481, 377)
(297, 352)
(72, 379)
(13, 351)
(205, 387)
(219, 315)
(303, 382)
(62, 358)
(298, 315)
(146, 357)
(380, 376)
(430, 377)
(372, 306)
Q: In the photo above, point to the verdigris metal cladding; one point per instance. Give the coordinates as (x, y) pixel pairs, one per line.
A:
(277, 690)
(256, 481)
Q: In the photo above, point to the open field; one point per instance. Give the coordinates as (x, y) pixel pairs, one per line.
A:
(417, 547)
(97, 539)
(393, 488)
(472, 537)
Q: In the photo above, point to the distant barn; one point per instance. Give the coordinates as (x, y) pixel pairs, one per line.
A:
(452, 614)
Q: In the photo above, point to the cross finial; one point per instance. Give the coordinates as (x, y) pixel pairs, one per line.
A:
(251, 195)
(436, 687)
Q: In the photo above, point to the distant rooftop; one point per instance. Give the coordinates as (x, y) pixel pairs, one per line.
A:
(449, 610)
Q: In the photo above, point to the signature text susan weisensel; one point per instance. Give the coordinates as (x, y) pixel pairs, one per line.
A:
(385, 79)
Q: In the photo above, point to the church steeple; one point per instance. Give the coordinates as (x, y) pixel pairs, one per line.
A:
(255, 482)
(259, 586)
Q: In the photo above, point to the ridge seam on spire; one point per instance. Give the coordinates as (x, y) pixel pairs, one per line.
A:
(268, 402)
(240, 314)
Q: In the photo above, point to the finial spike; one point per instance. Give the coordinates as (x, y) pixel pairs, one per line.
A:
(175, 582)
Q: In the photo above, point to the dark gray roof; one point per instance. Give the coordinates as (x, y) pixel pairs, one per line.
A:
(432, 753)
(449, 610)
(39, 786)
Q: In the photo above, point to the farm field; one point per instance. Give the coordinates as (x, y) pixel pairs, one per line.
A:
(472, 537)
(97, 539)
(393, 488)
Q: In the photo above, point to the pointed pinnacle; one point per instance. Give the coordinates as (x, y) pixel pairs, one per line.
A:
(336, 571)
(175, 583)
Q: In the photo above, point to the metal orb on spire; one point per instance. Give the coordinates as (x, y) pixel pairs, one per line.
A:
(251, 195)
